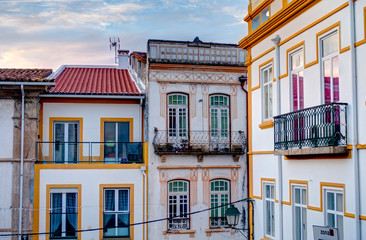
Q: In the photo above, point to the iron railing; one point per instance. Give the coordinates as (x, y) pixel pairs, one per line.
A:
(89, 152)
(178, 224)
(199, 142)
(218, 222)
(319, 126)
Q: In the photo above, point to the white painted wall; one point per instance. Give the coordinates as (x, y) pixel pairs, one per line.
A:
(6, 128)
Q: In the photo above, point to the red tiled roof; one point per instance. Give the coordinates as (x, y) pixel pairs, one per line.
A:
(25, 75)
(96, 81)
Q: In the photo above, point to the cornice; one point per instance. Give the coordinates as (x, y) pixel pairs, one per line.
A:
(277, 21)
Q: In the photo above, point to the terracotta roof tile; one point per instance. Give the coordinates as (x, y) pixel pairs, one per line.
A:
(25, 75)
(96, 81)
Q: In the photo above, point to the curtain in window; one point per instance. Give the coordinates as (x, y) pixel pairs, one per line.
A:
(56, 214)
(71, 214)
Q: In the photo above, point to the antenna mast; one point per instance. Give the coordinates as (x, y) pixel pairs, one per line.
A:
(114, 43)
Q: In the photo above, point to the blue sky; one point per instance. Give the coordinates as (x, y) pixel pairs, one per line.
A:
(51, 33)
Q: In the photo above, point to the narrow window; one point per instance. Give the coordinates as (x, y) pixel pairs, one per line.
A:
(269, 210)
(219, 122)
(116, 213)
(66, 141)
(177, 118)
(63, 213)
(178, 205)
(297, 79)
(334, 210)
(267, 92)
(299, 212)
(330, 54)
(219, 195)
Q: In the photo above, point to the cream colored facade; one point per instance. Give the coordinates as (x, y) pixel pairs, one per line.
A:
(334, 169)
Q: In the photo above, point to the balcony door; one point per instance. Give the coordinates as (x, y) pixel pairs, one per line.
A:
(178, 120)
(219, 123)
(65, 145)
(116, 139)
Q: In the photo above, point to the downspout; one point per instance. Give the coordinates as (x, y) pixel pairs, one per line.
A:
(143, 169)
(355, 121)
(276, 41)
(21, 166)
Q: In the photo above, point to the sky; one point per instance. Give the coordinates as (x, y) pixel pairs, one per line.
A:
(51, 33)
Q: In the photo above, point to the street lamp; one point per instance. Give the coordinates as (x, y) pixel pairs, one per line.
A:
(232, 216)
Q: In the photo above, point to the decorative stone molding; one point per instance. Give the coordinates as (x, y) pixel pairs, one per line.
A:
(192, 99)
(206, 183)
(162, 91)
(163, 187)
(193, 183)
(163, 158)
(205, 92)
(234, 102)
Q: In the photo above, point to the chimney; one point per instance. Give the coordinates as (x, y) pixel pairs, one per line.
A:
(123, 59)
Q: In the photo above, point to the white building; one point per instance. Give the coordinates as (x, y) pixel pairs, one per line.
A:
(91, 158)
(306, 113)
(197, 126)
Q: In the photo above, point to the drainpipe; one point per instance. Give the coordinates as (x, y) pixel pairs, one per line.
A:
(143, 169)
(276, 41)
(356, 162)
(21, 165)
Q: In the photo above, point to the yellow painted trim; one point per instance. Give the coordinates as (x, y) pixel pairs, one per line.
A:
(102, 121)
(329, 156)
(267, 180)
(199, 167)
(263, 54)
(132, 204)
(260, 152)
(288, 52)
(361, 146)
(90, 166)
(267, 124)
(363, 41)
(335, 185)
(349, 147)
(363, 218)
(250, 157)
(299, 182)
(53, 186)
(66, 119)
(36, 202)
(268, 62)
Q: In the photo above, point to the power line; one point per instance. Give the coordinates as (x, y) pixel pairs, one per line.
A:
(133, 224)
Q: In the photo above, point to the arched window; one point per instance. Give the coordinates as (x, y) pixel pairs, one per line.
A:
(219, 121)
(219, 195)
(178, 205)
(177, 116)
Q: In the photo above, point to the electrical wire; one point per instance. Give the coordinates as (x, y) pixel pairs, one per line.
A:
(133, 224)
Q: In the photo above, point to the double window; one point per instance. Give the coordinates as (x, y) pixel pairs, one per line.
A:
(267, 92)
(299, 212)
(269, 209)
(261, 18)
(219, 195)
(63, 213)
(178, 205)
(330, 66)
(177, 117)
(219, 121)
(66, 137)
(334, 210)
(116, 213)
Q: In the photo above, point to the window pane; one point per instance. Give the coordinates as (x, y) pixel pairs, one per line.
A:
(330, 201)
(109, 200)
(123, 222)
(335, 79)
(340, 226)
(109, 222)
(297, 195)
(255, 23)
(264, 15)
(330, 44)
(339, 202)
(331, 219)
(327, 81)
(298, 224)
(123, 200)
(303, 196)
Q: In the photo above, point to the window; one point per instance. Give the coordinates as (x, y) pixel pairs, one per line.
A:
(116, 137)
(299, 212)
(65, 137)
(334, 210)
(116, 213)
(269, 210)
(267, 93)
(63, 213)
(219, 195)
(261, 18)
(219, 122)
(178, 205)
(297, 76)
(330, 52)
(177, 118)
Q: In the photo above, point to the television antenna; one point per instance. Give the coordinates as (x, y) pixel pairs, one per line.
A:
(114, 43)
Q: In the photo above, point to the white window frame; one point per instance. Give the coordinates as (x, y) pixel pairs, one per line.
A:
(220, 137)
(325, 58)
(175, 135)
(269, 112)
(220, 194)
(116, 211)
(179, 222)
(272, 209)
(64, 191)
(336, 212)
(302, 206)
(297, 71)
(66, 144)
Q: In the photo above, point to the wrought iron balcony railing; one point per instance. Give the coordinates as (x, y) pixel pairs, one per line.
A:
(319, 126)
(89, 152)
(199, 142)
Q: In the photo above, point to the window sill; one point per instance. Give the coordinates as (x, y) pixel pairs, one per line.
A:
(266, 124)
(218, 230)
(190, 232)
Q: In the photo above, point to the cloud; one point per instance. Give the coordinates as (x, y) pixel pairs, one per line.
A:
(236, 13)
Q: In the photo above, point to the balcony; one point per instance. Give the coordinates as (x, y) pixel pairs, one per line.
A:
(90, 152)
(199, 142)
(312, 131)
